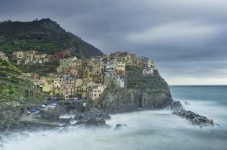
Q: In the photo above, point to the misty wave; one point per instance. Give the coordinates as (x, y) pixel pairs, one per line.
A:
(145, 130)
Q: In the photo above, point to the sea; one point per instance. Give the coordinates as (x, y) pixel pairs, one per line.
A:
(146, 130)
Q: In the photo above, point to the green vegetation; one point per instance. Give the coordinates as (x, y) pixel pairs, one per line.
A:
(41, 69)
(8, 72)
(43, 35)
(136, 80)
(9, 93)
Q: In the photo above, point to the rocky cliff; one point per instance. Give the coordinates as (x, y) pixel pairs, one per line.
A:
(145, 92)
(9, 116)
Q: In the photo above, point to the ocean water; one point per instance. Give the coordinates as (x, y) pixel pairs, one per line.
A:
(146, 130)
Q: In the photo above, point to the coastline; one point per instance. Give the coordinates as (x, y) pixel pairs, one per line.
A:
(93, 117)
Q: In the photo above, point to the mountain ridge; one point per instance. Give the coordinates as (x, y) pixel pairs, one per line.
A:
(44, 35)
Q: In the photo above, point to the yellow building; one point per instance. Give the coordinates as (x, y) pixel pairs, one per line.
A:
(19, 55)
(78, 64)
(30, 55)
(47, 87)
(97, 69)
(120, 65)
(79, 82)
(129, 59)
(87, 74)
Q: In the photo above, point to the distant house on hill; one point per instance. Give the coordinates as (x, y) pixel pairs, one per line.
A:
(148, 71)
(56, 56)
(3, 56)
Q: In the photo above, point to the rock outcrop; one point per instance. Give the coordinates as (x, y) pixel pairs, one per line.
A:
(195, 119)
(9, 117)
(141, 92)
(93, 122)
(120, 126)
(92, 113)
(92, 118)
(176, 106)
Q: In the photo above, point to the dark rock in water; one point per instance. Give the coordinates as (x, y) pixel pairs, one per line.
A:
(49, 115)
(80, 116)
(120, 126)
(65, 120)
(92, 117)
(176, 106)
(92, 113)
(186, 103)
(94, 122)
(194, 118)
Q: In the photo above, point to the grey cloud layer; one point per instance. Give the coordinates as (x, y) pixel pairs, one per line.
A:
(185, 38)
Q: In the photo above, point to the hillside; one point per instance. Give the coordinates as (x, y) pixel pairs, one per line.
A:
(8, 74)
(8, 71)
(144, 92)
(43, 35)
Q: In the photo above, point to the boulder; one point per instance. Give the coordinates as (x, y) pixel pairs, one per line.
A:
(49, 115)
(93, 122)
(9, 117)
(176, 106)
(120, 126)
(186, 103)
(194, 118)
(80, 116)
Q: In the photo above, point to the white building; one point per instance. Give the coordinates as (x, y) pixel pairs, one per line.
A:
(148, 71)
(3, 56)
(120, 82)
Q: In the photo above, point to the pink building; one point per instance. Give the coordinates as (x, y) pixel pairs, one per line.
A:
(96, 91)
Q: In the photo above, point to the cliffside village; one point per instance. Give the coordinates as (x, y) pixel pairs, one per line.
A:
(81, 78)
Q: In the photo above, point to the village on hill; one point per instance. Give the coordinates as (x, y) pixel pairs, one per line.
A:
(80, 78)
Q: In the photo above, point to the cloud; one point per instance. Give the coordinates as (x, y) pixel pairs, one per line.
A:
(187, 39)
(175, 32)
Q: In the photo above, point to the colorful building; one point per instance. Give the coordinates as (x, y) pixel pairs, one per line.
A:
(68, 89)
(96, 91)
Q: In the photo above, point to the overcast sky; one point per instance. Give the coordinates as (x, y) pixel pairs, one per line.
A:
(187, 39)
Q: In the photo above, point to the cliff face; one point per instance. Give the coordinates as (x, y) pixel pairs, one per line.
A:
(146, 92)
(9, 116)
